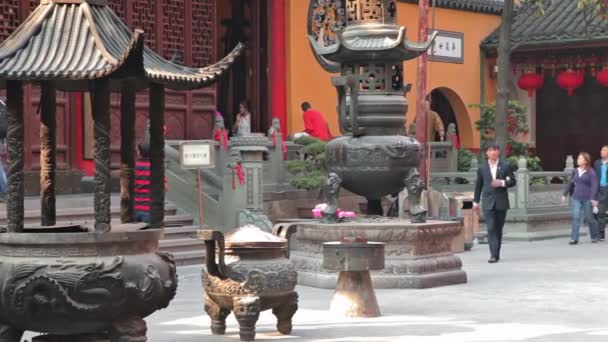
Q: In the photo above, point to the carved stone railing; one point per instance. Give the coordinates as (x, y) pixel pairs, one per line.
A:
(533, 189)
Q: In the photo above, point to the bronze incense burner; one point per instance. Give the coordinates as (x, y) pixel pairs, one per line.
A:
(250, 273)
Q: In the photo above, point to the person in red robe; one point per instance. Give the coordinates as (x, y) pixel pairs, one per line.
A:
(315, 124)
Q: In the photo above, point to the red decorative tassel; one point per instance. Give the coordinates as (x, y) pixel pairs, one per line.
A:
(284, 149)
(221, 137)
(240, 174)
(456, 141)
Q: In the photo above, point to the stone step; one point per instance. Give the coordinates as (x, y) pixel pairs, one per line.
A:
(185, 232)
(32, 216)
(181, 245)
(189, 258)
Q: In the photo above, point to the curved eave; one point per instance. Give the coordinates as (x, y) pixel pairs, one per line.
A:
(66, 42)
(369, 48)
(177, 77)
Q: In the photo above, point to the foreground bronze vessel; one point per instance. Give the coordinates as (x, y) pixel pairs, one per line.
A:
(361, 40)
(250, 273)
(68, 283)
(86, 283)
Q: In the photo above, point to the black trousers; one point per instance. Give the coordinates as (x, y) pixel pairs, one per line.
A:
(495, 220)
(603, 206)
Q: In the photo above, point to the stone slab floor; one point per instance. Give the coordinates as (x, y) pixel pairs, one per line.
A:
(541, 292)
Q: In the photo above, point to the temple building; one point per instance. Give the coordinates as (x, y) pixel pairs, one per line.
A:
(278, 70)
(565, 50)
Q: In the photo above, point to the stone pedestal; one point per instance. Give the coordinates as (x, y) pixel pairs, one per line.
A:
(416, 255)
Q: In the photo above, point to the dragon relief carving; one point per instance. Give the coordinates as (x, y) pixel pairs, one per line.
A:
(68, 289)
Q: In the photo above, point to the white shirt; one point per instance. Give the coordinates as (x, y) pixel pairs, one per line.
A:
(244, 124)
(581, 171)
(493, 169)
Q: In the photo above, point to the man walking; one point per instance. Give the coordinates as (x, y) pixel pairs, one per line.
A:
(601, 170)
(493, 179)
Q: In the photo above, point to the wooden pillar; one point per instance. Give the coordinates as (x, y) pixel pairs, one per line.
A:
(157, 155)
(101, 118)
(278, 63)
(127, 150)
(48, 146)
(421, 103)
(16, 156)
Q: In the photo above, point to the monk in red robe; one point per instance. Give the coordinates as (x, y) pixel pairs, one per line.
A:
(315, 124)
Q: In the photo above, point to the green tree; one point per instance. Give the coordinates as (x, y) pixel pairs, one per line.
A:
(517, 126)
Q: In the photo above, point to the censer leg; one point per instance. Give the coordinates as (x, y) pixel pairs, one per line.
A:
(218, 316)
(285, 312)
(132, 329)
(247, 312)
(9, 334)
(354, 296)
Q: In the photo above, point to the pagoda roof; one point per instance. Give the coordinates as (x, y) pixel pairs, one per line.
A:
(81, 40)
(479, 6)
(369, 42)
(562, 24)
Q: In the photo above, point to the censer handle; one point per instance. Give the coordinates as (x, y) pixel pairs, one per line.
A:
(352, 83)
(285, 231)
(212, 240)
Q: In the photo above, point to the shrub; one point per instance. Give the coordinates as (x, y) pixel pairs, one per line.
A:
(310, 173)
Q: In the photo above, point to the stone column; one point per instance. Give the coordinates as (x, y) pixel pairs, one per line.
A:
(249, 150)
(16, 156)
(101, 118)
(48, 154)
(127, 151)
(157, 155)
(277, 164)
(522, 187)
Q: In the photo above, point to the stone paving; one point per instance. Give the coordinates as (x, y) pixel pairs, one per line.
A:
(541, 292)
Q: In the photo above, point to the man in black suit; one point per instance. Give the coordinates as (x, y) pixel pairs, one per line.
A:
(494, 177)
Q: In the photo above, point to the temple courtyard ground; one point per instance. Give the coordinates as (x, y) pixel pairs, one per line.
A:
(542, 291)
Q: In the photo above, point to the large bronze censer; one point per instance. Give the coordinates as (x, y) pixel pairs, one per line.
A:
(250, 273)
(361, 40)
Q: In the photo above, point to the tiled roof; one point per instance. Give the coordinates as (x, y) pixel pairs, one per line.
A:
(63, 42)
(562, 23)
(481, 6)
(80, 41)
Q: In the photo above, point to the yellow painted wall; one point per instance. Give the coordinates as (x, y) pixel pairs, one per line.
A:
(307, 81)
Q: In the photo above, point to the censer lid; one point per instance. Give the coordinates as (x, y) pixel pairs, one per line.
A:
(250, 236)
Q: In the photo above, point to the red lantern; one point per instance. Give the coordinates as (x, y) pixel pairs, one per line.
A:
(570, 80)
(602, 77)
(530, 81)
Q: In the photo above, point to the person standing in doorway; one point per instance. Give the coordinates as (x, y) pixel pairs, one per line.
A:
(601, 169)
(582, 188)
(493, 180)
(242, 126)
(434, 124)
